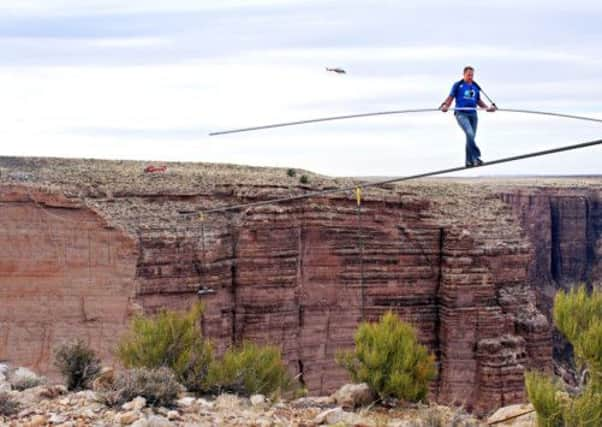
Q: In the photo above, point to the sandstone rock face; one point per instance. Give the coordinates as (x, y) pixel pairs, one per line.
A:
(93, 242)
(63, 274)
(565, 228)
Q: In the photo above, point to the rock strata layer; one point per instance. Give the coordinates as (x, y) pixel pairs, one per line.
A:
(473, 265)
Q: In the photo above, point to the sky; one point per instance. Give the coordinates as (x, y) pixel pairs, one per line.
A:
(149, 79)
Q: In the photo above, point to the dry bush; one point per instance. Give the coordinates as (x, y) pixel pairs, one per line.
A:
(8, 405)
(26, 382)
(158, 386)
(78, 364)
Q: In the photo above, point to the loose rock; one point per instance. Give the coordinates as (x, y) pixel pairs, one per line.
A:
(128, 418)
(186, 402)
(517, 415)
(258, 400)
(37, 421)
(352, 396)
(174, 416)
(157, 421)
(135, 405)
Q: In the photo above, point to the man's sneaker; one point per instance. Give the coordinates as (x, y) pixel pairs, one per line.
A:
(479, 162)
(469, 164)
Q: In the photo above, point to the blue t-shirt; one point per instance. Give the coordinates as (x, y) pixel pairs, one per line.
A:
(467, 95)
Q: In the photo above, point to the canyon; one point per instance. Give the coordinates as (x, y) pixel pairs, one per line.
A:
(473, 264)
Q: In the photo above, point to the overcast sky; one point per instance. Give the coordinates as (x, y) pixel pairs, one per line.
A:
(149, 79)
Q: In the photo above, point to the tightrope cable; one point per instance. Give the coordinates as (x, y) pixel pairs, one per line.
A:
(324, 119)
(398, 112)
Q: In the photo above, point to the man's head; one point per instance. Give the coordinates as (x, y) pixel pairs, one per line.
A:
(468, 74)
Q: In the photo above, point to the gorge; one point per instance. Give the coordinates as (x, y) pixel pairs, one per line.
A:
(473, 264)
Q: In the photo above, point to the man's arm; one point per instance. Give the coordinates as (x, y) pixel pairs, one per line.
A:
(446, 104)
(485, 106)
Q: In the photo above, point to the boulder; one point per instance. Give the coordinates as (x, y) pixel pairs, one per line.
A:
(135, 404)
(516, 415)
(37, 421)
(337, 416)
(186, 402)
(127, 418)
(352, 396)
(258, 400)
(158, 421)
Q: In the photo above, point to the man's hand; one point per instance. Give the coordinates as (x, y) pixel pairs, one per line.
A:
(444, 108)
(492, 109)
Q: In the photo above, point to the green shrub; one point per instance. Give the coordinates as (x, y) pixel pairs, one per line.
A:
(585, 410)
(291, 172)
(169, 339)
(158, 386)
(8, 405)
(304, 179)
(544, 395)
(578, 316)
(250, 369)
(389, 358)
(78, 364)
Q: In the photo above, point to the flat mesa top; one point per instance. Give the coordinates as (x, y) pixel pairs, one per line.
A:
(197, 178)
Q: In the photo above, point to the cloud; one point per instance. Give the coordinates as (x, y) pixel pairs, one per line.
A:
(432, 53)
(150, 80)
(76, 7)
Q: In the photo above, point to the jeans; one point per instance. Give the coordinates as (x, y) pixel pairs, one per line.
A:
(468, 123)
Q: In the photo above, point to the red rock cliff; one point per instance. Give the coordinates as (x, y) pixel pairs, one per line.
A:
(564, 226)
(91, 242)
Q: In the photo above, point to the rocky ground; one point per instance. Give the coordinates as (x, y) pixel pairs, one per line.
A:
(52, 405)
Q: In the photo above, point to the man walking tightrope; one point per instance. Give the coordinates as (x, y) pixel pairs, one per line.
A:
(467, 95)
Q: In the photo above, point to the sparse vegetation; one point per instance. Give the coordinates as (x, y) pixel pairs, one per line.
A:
(250, 369)
(578, 316)
(389, 358)
(545, 396)
(304, 179)
(433, 418)
(24, 382)
(78, 364)
(8, 405)
(169, 339)
(291, 173)
(158, 386)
